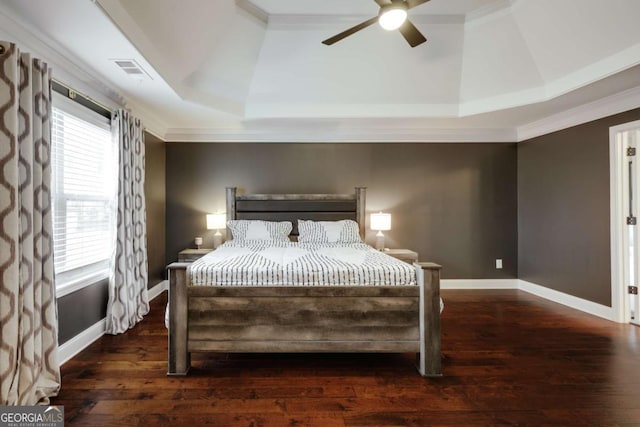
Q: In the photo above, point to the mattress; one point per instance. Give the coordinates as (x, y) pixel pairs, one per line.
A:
(269, 263)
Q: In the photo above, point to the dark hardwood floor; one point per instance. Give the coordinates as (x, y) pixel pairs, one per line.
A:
(509, 358)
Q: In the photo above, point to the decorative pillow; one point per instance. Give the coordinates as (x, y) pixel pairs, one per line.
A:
(248, 229)
(344, 231)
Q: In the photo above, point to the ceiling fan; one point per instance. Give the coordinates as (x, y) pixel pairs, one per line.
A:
(392, 16)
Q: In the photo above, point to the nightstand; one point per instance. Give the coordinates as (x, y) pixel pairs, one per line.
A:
(190, 255)
(405, 255)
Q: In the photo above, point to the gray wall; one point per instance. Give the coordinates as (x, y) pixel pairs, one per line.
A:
(563, 209)
(82, 309)
(455, 204)
(154, 187)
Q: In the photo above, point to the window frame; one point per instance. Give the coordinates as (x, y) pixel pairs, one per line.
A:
(90, 274)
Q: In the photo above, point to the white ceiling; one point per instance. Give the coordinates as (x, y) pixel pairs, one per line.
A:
(255, 70)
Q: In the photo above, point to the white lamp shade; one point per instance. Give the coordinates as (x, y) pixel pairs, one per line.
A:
(392, 17)
(381, 221)
(216, 221)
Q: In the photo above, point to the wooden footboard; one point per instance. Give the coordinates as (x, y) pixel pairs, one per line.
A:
(305, 319)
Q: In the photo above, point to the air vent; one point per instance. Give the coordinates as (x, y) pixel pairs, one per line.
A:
(132, 69)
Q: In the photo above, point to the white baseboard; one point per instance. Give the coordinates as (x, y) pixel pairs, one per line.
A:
(81, 341)
(85, 338)
(568, 300)
(158, 289)
(479, 284)
(541, 291)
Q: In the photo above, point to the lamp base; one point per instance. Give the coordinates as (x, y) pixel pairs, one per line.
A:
(217, 239)
(380, 241)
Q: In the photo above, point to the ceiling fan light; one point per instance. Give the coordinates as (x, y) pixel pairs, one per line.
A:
(391, 18)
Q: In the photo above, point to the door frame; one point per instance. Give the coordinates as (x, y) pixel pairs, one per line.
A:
(618, 192)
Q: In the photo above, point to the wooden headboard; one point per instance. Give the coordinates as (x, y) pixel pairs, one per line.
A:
(292, 207)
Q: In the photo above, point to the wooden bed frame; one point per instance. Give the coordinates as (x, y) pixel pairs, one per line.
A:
(385, 319)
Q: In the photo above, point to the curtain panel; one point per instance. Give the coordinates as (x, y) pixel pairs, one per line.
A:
(29, 372)
(128, 298)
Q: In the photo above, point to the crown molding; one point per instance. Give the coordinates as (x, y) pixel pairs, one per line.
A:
(406, 131)
(151, 122)
(500, 6)
(306, 132)
(253, 10)
(302, 22)
(614, 104)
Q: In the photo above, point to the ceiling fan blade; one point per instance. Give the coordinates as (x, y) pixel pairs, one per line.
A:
(350, 31)
(414, 3)
(411, 34)
(383, 2)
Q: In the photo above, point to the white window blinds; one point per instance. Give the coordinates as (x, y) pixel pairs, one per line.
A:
(83, 194)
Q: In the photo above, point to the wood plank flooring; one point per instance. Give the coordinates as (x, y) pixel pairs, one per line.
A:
(509, 358)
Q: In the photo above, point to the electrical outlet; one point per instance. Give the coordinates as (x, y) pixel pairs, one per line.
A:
(498, 264)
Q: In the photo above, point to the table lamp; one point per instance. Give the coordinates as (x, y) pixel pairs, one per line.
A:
(216, 222)
(380, 222)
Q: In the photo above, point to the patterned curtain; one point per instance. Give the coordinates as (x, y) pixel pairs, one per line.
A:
(29, 371)
(128, 299)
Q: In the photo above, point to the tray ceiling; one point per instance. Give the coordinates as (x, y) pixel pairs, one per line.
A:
(256, 70)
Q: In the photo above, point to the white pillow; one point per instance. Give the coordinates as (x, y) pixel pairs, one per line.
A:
(249, 229)
(344, 231)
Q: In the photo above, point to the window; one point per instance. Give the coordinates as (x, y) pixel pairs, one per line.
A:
(84, 179)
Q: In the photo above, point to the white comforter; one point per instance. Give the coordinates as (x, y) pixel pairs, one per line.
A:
(260, 263)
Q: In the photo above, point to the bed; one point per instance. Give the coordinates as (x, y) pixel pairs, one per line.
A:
(292, 313)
